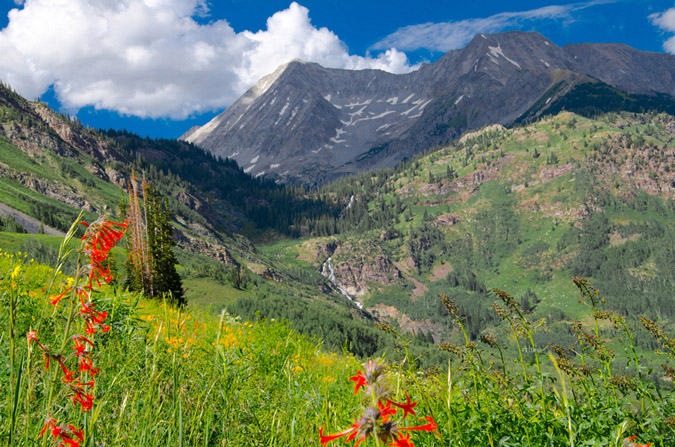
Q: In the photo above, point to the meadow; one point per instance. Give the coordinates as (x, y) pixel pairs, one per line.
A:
(85, 363)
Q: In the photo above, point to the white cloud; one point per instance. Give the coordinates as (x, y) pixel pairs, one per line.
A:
(446, 36)
(666, 21)
(150, 58)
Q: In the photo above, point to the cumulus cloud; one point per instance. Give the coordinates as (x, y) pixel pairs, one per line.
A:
(150, 58)
(446, 36)
(666, 21)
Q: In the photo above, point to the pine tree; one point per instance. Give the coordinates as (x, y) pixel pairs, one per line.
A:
(151, 263)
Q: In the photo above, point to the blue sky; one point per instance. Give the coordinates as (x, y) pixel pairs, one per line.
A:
(158, 67)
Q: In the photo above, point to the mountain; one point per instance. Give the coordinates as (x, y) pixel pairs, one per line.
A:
(522, 209)
(308, 124)
(52, 167)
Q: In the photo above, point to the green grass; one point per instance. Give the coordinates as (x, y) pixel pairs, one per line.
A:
(170, 377)
(205, 293)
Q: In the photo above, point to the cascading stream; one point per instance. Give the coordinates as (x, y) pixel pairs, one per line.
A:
(329, 272)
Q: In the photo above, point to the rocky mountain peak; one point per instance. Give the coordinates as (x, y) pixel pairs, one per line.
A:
(306, 123)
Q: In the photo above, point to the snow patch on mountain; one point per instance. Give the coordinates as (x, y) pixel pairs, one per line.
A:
(497, 51)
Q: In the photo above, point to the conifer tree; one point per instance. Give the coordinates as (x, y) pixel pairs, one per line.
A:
(151, 263)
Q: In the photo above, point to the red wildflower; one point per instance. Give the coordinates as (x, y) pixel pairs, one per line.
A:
(431, 426)
(325, 439)
(637, 445)
(77, 432)
(79, 347)
(360, 381)
(406, 407)
(385, 411)
(68, 376)
(66, 435)
(402, 442)
(93, 318)
(55, 429)
(86, 365)
(86, 400)
(101, 237)
(98, 274)
(32, 336)
(84, 297)
(69, 442)
(56, 298)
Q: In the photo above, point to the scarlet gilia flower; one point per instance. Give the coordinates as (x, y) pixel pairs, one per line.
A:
(431, 426)
(379, 420)
(101, 237)
(56, 298)
(93, 318)
(81, 397)
(69, 436)
(32, 337)
(628, 442)
(86, 366)
(326, 439)
(402, 442)
(360, 381)
(79, 347)
(407, 407)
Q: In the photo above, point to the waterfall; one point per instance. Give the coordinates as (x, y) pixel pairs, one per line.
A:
(329, 272)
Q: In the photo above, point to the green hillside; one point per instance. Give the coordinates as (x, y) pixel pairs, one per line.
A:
(522, 209)
(419, 257)
(52, 167)
(146, 375)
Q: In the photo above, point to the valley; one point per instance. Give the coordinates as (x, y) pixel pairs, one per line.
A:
(493, 236)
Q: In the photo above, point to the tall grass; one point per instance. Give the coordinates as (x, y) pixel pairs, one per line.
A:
(182, 377)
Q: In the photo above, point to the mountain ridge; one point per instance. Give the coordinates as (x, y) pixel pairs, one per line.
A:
(308, 124)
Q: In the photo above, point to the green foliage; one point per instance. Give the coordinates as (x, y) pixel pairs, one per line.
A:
(497, 232)
(166, 280)
(425, 243)
(175, 165)
(172, 377)
(151, 263)
(10, 225)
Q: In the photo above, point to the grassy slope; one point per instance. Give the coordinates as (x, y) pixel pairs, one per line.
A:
(193, 379)
(545, 200)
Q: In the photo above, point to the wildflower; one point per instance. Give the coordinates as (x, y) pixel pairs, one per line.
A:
(70, 436)
(628, 442)
(84, 399)
(86, 366)
(402, 442)
(16, 272)
(385, 328)
(663, 337)
(56, 298)
(326, 439)
(100, 237)
(449, 347)
(55, 429)
(624, 383)
(431, 426)
(79, 347)
(451, 307)
(32, 337)
(490, 340)
(407, 407)
(379, 420)
(360, 381)
(508, 300)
